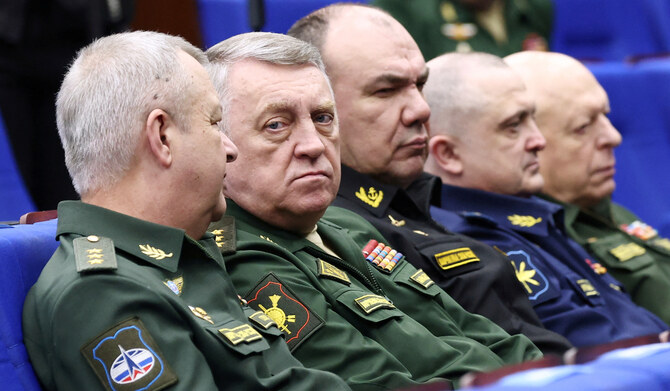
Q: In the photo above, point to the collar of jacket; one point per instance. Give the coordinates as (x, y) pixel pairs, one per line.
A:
(526, 215)
(156, 244)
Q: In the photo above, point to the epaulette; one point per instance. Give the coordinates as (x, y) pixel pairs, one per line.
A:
(478, 218)
(224, 234)
(94, 253)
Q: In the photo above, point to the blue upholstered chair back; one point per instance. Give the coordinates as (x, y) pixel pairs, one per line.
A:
(14, 197)
(24, 250)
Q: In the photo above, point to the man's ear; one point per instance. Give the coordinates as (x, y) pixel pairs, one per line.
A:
(158, 132)
(444, 152)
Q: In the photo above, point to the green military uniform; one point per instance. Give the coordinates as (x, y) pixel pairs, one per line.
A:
(630, 250)
(347, 316)
(440, 26)
(152, 309)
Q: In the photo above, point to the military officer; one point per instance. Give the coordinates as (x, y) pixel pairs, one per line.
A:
(377, 83)
(378, 323)
(499, 27)
(578, 168)
(137, 296)
(484, 147)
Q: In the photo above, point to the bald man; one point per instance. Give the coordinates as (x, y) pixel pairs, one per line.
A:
(377, 73)
(484, 146)
(578, 167)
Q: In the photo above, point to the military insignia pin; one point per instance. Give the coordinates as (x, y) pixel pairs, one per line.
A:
(382, 256)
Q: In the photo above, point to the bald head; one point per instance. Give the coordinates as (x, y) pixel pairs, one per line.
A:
(483, 133)
(578, 161)
(377, 72)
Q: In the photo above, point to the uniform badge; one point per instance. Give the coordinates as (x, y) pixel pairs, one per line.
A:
(200, 313)
(586, 287)
(530, 277)
(153, 252)
(524, 221)
(262, 320)
(243, 333)
(416, 231)
(372, 197)
(421, 278)
(280, 304)
(94, 253)
(396, 223)
(382, 256)
(127, 358)
(224, 234)
(332, 272)
(455, 258)
(639, 230)
(627, 251)
(175, 285)
(663, 243)
(266, 238)
(598, 268)
(371, 303)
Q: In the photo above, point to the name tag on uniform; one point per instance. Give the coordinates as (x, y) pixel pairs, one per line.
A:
(455, 258)
(371, 303)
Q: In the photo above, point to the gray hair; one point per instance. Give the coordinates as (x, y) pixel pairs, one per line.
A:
(452, 102)
(272, 48)
(106, 96)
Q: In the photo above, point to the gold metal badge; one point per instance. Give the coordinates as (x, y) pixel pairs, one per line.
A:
(372, 197)
(153, 252)
(524, 221)
(200, 313)
(218, 237)
(95, 256)
(239, 334)
(625, 252)
(396, 223)
(416, 231)
(277, 314)
(266, 238)
(176, 285)
(456, 257)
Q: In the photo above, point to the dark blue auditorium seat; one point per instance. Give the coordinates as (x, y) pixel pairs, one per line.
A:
(640, 100)
(611, 30)
(221, 19)
(14, 198)
(24, 250)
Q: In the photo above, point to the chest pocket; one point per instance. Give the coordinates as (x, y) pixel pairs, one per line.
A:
(415, 279)
(242, 337)
(619, 252)
(451, 257)
(369, 307)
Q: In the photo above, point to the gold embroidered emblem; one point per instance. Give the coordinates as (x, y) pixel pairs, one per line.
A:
(218, 238)
(627, 251)
(153, 252)
(266, 238)
(372, 197)
(524, 221)
(95, 256)
(525, 277)
(277, 314)
(396, 223)
(456, 257)
(421, 278)
(587, 287)
(328, 270)
(416, 231)
(175, 285)
(243, 333)
(371, 303)
(200, 313)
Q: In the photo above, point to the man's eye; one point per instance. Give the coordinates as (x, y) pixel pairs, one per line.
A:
(275, 125)
(324, 119)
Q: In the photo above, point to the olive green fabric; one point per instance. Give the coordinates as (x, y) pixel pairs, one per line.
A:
(372, 328)
(528, 24)
(168, 295)
(640, 260)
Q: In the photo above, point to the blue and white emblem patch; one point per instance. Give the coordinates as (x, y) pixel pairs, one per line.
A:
(127, 358)
(530, 277)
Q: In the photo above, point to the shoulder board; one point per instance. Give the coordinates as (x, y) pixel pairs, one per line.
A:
(94, 253)
(224, 234)
(478, 218)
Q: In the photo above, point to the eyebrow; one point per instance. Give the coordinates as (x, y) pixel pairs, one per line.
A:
(395, 79)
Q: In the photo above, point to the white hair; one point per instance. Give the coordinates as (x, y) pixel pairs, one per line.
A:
(272, 48)
(106, 96)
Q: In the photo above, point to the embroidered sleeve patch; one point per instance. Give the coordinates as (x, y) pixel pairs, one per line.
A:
(532, 279)
(332, 272)
(628, 251)
(126, 358)
(421, 278)
(455, 258)
(280, 304)
(370, 303)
